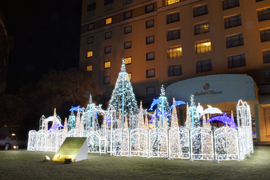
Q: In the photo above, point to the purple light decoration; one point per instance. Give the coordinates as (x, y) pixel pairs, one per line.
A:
(159, 114)
(107, 118)
(224, 119)
(55, 126)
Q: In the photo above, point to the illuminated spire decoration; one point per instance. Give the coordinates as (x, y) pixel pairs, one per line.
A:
(174, 121)
(126, 123)
(78, 124)
(206, 124)
(141, 119)
(54, 117)
(146, 123)
(123, 97)
(188, 123)
(65, 125)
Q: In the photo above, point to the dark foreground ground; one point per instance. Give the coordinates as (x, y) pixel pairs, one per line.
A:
(21, 164)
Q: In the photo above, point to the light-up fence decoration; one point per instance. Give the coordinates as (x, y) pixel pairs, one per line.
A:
(116, 137)
(124, 129)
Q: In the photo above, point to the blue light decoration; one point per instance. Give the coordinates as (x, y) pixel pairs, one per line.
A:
(155, 102)
(76, 108)
(159, 114)
(163, 107)
(177, 103)
(224, 119)
(108, 119)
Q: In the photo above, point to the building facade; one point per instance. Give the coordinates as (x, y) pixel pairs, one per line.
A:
(167, 41)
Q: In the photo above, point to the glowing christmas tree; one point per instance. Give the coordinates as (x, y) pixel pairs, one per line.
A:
(174, 121)
(123, 97)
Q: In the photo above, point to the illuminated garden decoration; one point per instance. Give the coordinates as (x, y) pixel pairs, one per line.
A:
(163, 108)
(123, 97)
(226, 120)
(192, 119)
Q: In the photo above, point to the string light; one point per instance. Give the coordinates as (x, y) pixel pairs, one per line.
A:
(125, 129)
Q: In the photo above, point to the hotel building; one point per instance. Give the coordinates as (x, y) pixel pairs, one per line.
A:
(218, 50)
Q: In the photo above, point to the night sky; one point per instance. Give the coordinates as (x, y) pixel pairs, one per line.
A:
(46, 36)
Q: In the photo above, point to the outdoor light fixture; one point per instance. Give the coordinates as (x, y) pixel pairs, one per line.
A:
(68, 161)
(13, 134)
(15, 147)
(46, 159)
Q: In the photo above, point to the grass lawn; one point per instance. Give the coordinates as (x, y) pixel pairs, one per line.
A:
(21, 164)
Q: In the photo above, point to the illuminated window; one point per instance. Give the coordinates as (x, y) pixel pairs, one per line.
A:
(267, 76)
(266, 56)
(89, 68)
(201, 28)
(107, 64)
(149, 8)
(107, 50)
(200, 10)
(173, 18)
(129, 75)
(128, 60)
(108, 35)
(127, 29)
(107, 80)
(89, 53)
(232, 21)
(263, 14)
(149, 23)
(125, 2)
(235, 40)
(150, 73)
(174, 34)
(150, 39)
(237, 61)
(175, 70)
(127, 45)
(150, 56)
(204, 66)
(90, 40)
(150, 90)
(169, 2)
(174, 52)
(203, 47)
(108, 21)
(227, 4)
